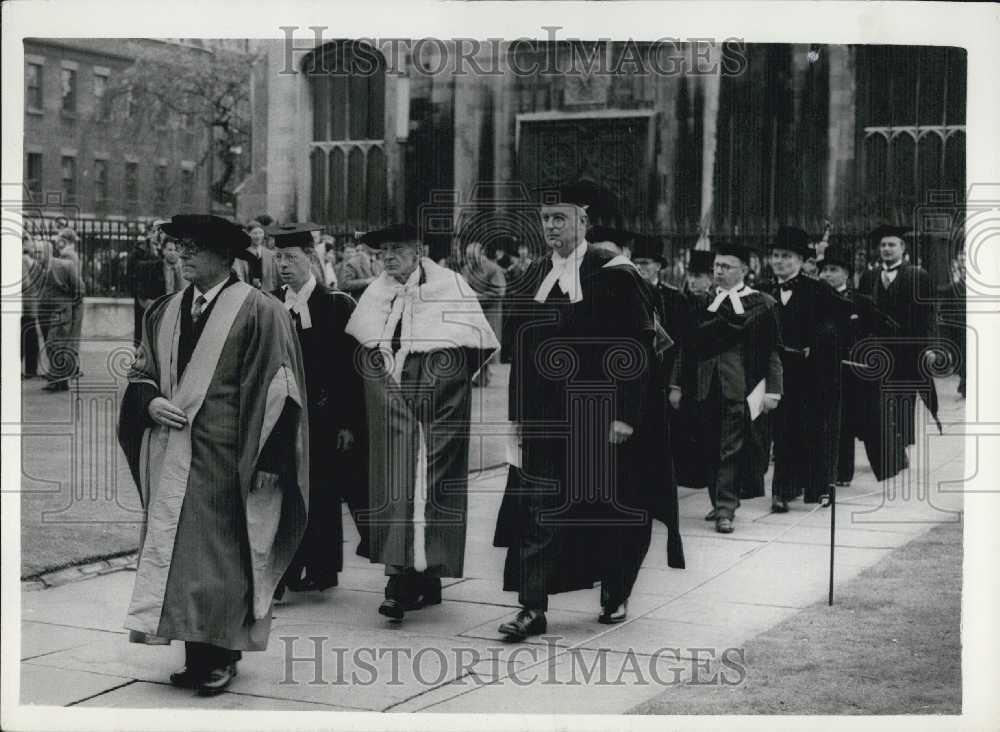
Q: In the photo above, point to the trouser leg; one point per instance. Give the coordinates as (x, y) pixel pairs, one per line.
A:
(536, 546)
(731, 439)
(29, 345)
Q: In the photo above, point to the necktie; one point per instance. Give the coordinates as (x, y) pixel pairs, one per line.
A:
(199, 307)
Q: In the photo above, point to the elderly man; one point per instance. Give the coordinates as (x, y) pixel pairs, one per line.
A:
(425, 337)
(257, 269)
(730, 368)
(805, 426)
(582, 336)
(214, 427)
(60, 315)
(336, 404)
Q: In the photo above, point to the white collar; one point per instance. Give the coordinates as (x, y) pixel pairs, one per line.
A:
(209, 296)
(298, 302)
(842, 288)
(733, 294)
(565, 271)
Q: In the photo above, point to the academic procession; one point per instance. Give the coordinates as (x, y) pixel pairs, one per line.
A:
(266, 407)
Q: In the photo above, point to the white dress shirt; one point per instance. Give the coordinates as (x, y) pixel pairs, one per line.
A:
(298, 302)
(209, 296)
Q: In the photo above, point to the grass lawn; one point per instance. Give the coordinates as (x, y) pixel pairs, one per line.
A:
(891, 644)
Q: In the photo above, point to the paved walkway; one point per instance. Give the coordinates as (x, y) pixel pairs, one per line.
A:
(448, 658)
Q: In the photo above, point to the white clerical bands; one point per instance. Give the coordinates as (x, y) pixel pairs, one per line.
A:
(733, 295)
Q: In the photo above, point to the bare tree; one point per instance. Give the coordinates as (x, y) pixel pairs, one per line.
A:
(205, 92)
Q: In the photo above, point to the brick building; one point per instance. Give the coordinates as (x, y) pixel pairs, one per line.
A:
(721, 141)
(81, 151)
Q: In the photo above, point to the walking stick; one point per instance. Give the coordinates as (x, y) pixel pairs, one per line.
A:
(833, 524)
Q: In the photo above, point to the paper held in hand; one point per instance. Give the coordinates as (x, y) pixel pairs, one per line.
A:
(755, 400)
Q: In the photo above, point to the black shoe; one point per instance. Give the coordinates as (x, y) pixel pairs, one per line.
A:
(724, 525)
(424, 591)
(779, 505)
(527, 623)
(217, 680)
(187, 678)
(392, 609)
(824, 501)
(613, 615)
(712, 515)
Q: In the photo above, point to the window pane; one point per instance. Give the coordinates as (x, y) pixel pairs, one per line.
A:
(338, 107)
(33, 174)
(100, 88)
(34, 84)
(356, 186)
(376, 104)
(131, 182)
(375, 182)
(335, 187)
(320, 85)
(358, 107)
(68, 90)
(317, 191)
(69, 178)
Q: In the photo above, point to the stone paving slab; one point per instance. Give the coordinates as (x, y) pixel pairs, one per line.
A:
(144, 695)
(38, 639)
(562, 687)
(754, 618)
(60, 687)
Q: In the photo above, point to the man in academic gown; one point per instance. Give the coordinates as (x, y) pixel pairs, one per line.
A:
(903, 292)
(424, 337)
(335, 398)
(805, 424)
(686, 445)
(581, 334)
(858, 323)
(729, 366)
(214, 427)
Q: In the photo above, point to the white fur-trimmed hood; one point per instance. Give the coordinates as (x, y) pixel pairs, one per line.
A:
(442, 312)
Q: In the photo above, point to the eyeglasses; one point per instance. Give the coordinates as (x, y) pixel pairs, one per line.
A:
(188, 248)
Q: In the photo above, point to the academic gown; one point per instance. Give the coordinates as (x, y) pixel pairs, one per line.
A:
(724, 357)
(907, 301)
(417, 387)
(806, 423)
(862, 415)
(224, 499)
(686, 446)
(335, 397)
(576, 367)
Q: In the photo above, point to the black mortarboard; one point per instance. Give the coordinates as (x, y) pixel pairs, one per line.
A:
(292, 235)
(399, 233)
(700, 261)
(648, 247)
(839, 256)
(879, 233)
(599, 202)
(211, 232)
(740, 251)
(792, 239)
(264, 219)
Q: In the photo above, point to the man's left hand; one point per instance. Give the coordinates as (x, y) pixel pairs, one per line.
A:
(619, 432)
(345, 440)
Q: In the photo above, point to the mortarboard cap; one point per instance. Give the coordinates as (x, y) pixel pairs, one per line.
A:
(879, 233)
(399, 233)
(839, 256)
(292, 235)
(598, 202)
(791, 239)
(211, 232)
(740, 251)
(700, 261)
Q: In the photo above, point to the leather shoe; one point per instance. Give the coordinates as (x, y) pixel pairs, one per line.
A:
(424, 591)
(724, 525)
(392, 609)
(217, 680)
(187, 678)
(527, 622)
(613, 615)
(779, 505)
(712, 515)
